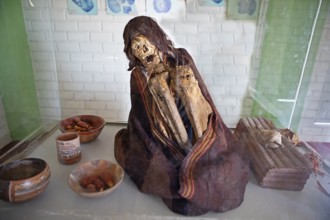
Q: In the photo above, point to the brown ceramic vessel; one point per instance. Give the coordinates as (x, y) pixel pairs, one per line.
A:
(24, 179)
(68, 147)
(95, 123)
(95, 168)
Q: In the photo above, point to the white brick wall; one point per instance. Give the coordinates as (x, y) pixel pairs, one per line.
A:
(80, 66)
(317, 107)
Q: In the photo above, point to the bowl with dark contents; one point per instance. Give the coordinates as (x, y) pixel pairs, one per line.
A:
(96, 178)
(24, 179)
(89, 127)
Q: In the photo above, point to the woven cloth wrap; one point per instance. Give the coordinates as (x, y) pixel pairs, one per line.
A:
(210, 177)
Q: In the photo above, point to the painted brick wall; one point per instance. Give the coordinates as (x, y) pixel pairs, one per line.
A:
(317, 105)
(81, 69)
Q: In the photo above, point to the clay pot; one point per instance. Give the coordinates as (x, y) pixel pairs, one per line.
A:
(95, 168)
(68, 147)
(95, 126)
(24, 179)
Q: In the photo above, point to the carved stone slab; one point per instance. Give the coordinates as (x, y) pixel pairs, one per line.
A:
(275, 165)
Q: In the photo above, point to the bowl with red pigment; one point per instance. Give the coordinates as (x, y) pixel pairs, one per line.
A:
(89, 127)
(96, 178)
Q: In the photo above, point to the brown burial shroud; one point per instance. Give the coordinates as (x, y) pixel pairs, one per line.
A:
(212, 176)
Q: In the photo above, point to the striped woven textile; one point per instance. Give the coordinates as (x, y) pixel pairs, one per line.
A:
(212, 176)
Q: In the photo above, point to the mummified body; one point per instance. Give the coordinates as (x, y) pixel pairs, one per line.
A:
(168, 82)
(176, 145)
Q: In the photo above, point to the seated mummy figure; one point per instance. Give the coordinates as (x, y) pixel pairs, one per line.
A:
(176, 145)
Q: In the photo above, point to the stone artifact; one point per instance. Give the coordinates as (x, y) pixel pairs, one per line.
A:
(176, 145)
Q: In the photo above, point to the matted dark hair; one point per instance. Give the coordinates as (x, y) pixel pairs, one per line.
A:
(148, 27)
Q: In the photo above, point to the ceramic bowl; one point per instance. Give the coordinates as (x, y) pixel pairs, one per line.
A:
(92, 170)
(89, 127)
(23, 179)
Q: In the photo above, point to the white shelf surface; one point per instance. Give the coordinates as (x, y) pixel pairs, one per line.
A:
(127, 203)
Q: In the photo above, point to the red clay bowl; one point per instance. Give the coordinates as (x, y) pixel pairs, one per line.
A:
(89, 127)
(24, 179)
(90, 171)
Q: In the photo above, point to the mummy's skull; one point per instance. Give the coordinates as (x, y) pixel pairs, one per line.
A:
(145, 51)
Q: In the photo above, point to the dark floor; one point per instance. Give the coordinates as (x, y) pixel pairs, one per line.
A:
(8, 146)
(11, 149)
(18, 149)
(323, 148)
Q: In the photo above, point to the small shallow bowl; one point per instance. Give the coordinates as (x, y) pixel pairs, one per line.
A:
(91, 128)
(23, 179)
(95, 168)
